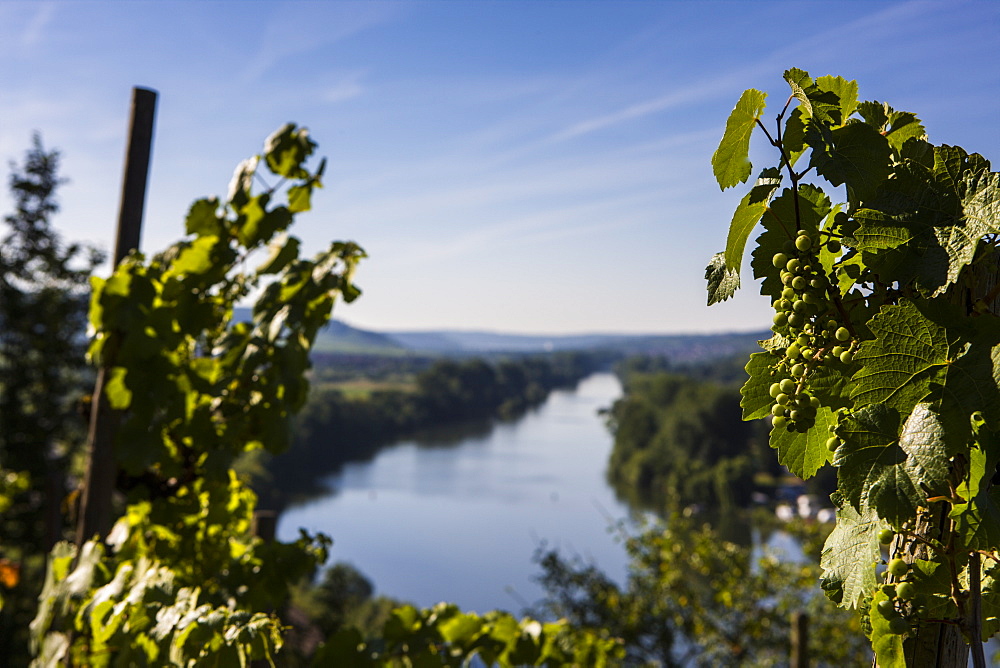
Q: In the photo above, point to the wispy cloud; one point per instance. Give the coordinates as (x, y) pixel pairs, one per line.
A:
(294, 30)
(35, 30)
(348, 87)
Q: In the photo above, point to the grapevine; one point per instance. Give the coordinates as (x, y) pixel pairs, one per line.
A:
(885, 355)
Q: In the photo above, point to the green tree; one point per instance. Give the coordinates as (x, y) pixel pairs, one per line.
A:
(43, 308)
(679, 441)
(692, 598)
(885, 359)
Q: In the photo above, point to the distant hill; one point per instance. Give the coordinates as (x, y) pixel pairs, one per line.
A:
(679, 347)
(339, 337)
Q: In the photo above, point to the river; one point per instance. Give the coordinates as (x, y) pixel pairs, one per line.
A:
(439, 520)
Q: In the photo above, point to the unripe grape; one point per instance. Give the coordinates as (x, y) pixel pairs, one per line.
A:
(847, 357)
(906, 591)
(787, 385)
(815, 402)
(782, 399)
(795, 415)
(786, 278)
(833, 245)
(802, 340)
(885, 536)
(837, 351)
(832, 443)
(780, 319)
(898, 567)
(799, 305)
(788, 293)
(817, 283)
(782, 305)
(795, 320)
(842, 334)
(793, 265)
(775, 390)
(779, 260)
(808, 353)
(792, 351)
(799, 283)
(886, 606)
(803, 242)
(798, 370)
(777, 410)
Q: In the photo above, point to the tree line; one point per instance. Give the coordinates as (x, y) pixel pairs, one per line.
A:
(335, 428)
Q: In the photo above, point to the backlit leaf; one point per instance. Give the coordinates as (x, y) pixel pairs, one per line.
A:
(722, 281)
(850, 555)
(805, 453)
(748, 214)
(855, 154)
(756, 400)
(731, 161)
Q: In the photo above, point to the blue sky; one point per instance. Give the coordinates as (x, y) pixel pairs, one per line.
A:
(534, 167)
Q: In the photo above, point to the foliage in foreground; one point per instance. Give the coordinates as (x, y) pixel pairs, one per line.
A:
(694, 599)
(43, 311)
(885, 359)
(182, 579)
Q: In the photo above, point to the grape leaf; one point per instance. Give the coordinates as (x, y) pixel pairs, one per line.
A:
(981, 201)
(846, 93)
(831, 384)
(722, 281)
(899, 365)
(850, 554)
(805, 453)
(977, 520)
(933, 580)
(897, 126)
(755, 395)
(747, 215)
(820, 102)
(793, 139)
(855, 154)
(888, 646)
(926, 224)
(286, 149)
(203, 218)
(891, 474)
(990, 585)
(780, 226)
(731, 161)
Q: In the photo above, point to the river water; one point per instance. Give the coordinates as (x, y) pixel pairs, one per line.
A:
(459, 520)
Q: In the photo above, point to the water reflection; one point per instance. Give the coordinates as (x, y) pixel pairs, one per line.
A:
(458, 515)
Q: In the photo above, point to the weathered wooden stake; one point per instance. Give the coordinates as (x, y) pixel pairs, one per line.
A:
(800, 640)
(99, 483)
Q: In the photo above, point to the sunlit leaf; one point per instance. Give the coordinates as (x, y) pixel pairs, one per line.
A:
(731, 162)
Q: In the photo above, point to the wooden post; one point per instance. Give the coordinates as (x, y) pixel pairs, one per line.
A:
(265, 524)
(800, 640)
(99, 483)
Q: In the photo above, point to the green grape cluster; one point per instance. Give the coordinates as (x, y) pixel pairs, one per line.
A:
(805, 311)
(903, 602)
